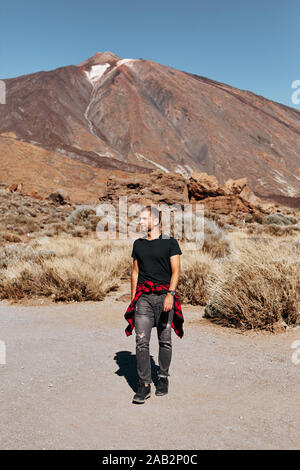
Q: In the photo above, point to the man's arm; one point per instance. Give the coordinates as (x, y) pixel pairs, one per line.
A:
(134, 277)
(175, 266)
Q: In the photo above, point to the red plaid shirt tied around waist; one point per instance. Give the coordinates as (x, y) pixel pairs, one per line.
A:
(146, 288)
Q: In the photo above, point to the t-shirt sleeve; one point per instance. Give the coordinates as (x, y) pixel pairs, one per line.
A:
(133, 253)
(174, 247)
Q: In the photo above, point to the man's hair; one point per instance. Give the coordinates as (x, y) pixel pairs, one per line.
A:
(152, 209)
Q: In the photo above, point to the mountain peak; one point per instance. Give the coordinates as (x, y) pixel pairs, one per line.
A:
(100, 58)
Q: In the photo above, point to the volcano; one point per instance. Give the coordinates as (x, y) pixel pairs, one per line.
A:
(76, 125)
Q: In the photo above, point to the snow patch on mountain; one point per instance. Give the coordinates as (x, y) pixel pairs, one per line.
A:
(183, 171)
(287, 189)
(126, 61)
(96, 72)
(189, 168)
(139, 155)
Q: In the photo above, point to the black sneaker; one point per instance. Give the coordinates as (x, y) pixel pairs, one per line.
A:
(162, 386)
(142, 394)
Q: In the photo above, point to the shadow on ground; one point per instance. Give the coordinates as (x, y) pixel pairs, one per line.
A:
(128, 368)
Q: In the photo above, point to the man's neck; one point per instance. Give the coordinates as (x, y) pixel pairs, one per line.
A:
(153, 234)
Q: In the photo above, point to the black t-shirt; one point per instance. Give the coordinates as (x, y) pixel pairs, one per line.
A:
(154, 257)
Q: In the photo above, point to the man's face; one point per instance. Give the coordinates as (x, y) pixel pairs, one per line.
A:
(146, 222)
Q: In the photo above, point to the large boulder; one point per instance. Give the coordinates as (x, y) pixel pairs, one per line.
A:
(234, 198)
(16, 187)
(228, 205)
(59, 196)
(240, 187)
(236, 186)
(157, 187)
(201, 185)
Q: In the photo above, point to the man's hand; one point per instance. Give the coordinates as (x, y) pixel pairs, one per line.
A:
(168, 302)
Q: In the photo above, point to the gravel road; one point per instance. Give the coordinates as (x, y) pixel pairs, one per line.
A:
(70, 376)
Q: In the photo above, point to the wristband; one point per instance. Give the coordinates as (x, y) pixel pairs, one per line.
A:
(172, 292)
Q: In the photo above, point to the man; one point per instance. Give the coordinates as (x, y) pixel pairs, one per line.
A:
(154, 302)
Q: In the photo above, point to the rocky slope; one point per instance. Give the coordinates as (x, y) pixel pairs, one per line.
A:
(109, 114)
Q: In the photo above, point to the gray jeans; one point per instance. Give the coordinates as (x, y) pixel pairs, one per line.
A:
(149, 313)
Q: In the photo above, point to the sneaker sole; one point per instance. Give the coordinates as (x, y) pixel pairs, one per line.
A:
(161, 393)
(136, 400)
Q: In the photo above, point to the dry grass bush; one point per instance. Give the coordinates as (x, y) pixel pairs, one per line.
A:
(9, 237)
(255, 217)
(79, 231)
(220, 219)
(216, 242)
(255, 228)
(64, 268)
(13, 220)
(232, 220)
(197, 266)
(273, 229)
(84, 216)
(273, 224)
(196, 269)
(21, 215)
(279, 219)
(280, 231)
(257, 288)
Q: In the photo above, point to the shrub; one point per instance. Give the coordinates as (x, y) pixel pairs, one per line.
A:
(256, 217)
(216, 243)
(279, 219)
(66, 269)
(257, 289)
(192, 286)
(10, 237)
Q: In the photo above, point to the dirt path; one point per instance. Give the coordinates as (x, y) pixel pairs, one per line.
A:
(70, 376)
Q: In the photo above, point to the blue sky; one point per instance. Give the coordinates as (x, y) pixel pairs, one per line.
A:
(252, 45)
